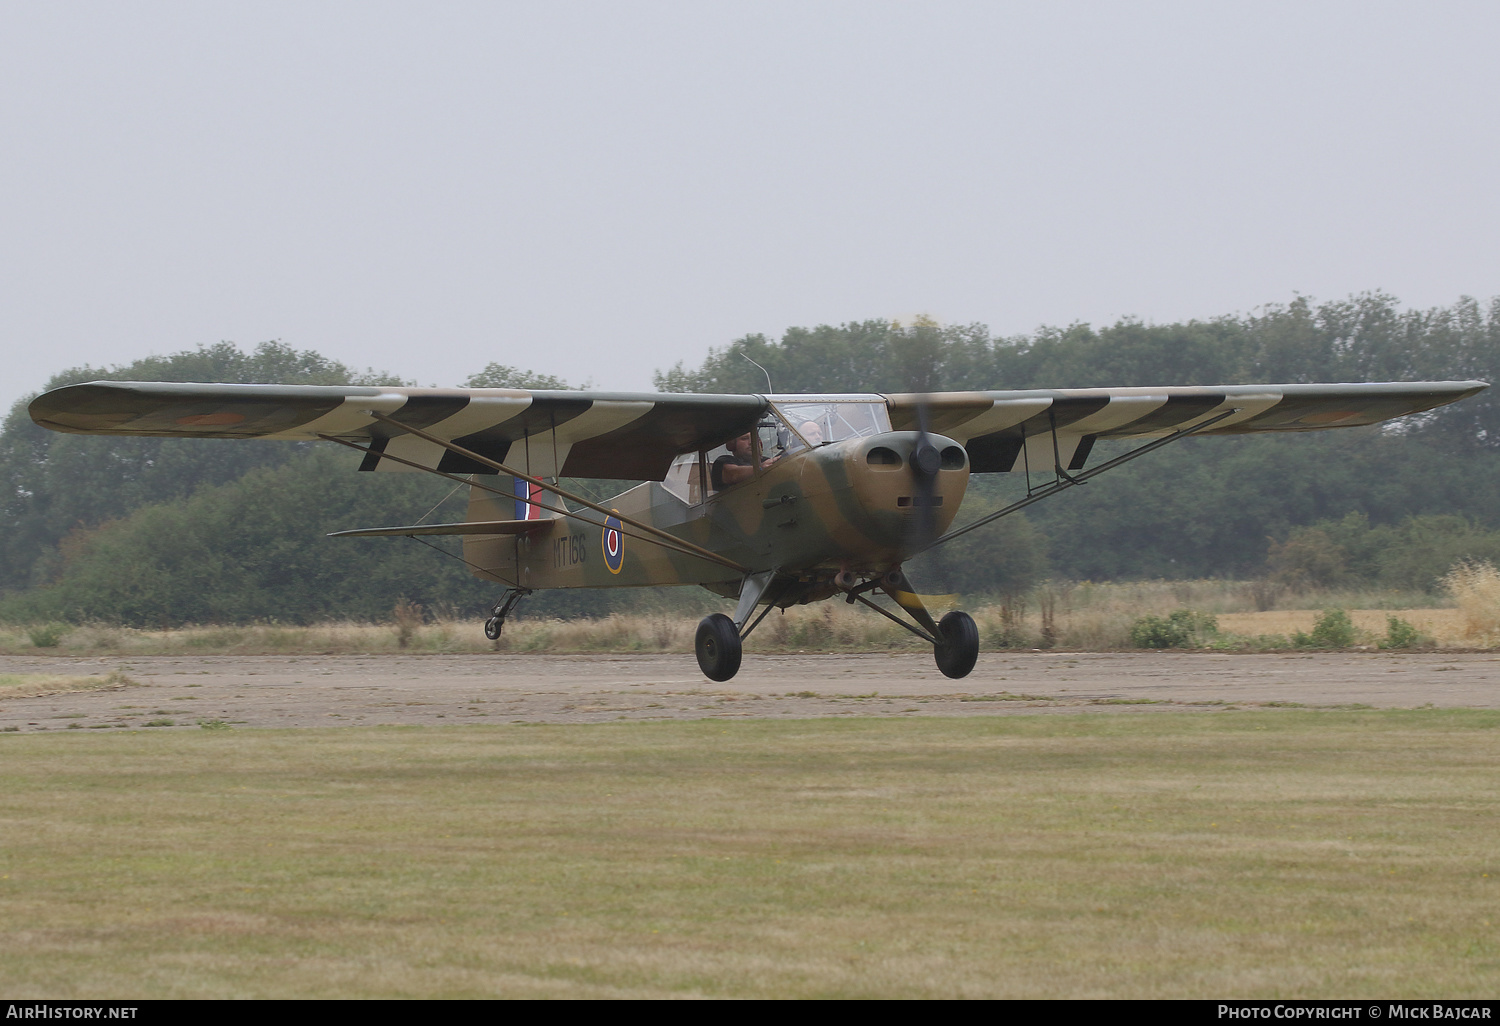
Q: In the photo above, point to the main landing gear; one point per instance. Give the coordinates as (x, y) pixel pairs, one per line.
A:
(718, 647)
(955, 641)
(958, 645)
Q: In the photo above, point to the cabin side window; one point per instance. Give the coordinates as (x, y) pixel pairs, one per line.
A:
(688, 476)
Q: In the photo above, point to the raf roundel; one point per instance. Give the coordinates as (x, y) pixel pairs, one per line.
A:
(613, 544)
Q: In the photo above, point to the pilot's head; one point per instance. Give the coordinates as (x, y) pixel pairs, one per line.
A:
(811, 431)
(742, 446)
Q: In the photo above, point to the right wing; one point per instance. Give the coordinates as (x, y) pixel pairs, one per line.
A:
(618, 435)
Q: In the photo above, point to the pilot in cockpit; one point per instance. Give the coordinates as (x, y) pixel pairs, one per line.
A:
(737, 465)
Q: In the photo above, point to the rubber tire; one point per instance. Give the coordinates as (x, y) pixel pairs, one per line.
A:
(718, 647)
(492, 628)
(960, 645)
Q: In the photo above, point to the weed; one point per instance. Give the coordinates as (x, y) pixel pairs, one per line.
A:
(160, 723)
(1047, 597)
(408, 617)
(213, 725)
(1012, 631)
(1400, 634)
(1264, 593)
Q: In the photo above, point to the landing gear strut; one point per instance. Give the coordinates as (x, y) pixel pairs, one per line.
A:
(955, 641)
(720, 641)
(496, 623)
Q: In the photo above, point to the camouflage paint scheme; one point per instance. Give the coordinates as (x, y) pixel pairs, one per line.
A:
(813, 513)
(808, 516)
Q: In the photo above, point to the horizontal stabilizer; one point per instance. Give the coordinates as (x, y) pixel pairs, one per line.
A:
(469, 527)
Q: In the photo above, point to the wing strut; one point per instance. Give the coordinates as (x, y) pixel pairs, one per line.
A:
(686, 548)
(1069, 480)
(671, 539)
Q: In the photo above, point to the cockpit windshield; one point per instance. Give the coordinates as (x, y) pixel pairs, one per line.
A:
(819, 421)
(796, 423)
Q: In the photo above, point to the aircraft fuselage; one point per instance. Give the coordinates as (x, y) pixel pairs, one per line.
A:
(860, 505)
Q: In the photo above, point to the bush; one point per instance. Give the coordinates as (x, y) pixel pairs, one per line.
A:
(48, 635)
(1308, 558)
(1410, 555)
(1332, 630)
(1180, 629)
(1400, 634)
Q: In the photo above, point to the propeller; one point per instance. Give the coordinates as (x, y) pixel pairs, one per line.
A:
(926, 461)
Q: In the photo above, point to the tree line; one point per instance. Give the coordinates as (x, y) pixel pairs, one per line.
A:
(164, 531)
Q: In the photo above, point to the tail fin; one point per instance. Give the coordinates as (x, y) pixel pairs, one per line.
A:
(485, 505)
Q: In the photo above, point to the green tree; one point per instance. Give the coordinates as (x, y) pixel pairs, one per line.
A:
(256, 549)
(55, 484)
(498, 375)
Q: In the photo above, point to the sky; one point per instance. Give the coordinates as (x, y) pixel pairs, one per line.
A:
(599, 190)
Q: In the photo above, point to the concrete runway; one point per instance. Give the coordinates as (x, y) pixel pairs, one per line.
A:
(323, 691)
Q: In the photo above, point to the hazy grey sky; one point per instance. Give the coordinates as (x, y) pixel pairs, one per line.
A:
(597, 190)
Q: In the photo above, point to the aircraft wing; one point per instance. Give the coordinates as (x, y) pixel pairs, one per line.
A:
(625, 436)
(997, 428)
(634, 436)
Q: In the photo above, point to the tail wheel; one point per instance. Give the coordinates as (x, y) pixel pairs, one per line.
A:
(959, 648)
(718, 646)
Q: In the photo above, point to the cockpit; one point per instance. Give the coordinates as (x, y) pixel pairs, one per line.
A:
(810, 421)
(792, 424)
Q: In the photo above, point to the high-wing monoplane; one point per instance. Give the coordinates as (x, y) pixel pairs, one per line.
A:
(773, 500)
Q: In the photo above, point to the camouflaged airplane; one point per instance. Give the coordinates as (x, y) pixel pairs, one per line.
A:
(771, 499)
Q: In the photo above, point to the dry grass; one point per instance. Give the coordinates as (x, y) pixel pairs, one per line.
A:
(34, 685)
(827, 627)
(1476, 589)
(1288, 854)
(1086, 616)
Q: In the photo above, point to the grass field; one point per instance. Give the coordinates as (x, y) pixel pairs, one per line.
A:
(1277, 854)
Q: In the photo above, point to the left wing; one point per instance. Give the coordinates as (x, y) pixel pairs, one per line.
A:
(1062, 424)
(626, 436)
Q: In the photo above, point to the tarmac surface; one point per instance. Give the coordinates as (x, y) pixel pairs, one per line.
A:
(183, 692)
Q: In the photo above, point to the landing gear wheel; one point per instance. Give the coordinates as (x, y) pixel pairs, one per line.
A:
(958, 650)
(718, 646)
(496, 622)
